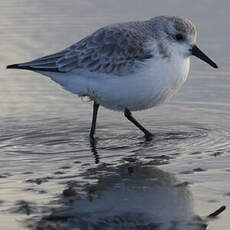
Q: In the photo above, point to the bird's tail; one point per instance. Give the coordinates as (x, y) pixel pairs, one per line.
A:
(14, 66)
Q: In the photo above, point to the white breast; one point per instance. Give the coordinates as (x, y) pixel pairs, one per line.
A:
(158, 80)
(145, 89)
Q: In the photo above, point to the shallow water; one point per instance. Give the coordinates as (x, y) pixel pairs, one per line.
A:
(44, 129)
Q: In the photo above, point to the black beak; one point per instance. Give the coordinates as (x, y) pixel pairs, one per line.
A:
(198, 53)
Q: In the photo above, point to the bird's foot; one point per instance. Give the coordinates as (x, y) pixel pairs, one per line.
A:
(149, 136)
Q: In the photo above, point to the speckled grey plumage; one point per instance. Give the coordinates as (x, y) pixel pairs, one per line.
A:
(118, 48)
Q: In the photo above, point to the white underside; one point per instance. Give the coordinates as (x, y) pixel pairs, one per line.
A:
(148, 87)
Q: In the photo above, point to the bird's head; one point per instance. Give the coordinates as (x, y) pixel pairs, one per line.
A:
(179, 33)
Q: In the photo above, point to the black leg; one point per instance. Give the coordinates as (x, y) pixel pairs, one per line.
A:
(129, 116)
(93, 125)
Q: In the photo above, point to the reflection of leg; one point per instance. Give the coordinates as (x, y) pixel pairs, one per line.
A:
(94, 150)
(129, 116)
(93, 125)
(92, 132)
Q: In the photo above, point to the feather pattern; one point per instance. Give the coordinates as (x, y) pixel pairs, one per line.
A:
(117, 49)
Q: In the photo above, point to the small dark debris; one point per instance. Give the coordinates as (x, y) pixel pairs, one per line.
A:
(65, 167)
(69, 192)
(27, 173)
(5, 175)
(23, 207)
(196, 153)
(130, 159)
(39, 180)
(130, 170)
(159, 162)
(198, 170)
(183, 184)
(35, 190)
(59, 173)
(218, 153)
(163, 157)
(186, 172)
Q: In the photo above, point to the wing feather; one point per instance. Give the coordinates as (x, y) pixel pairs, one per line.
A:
(112, 49)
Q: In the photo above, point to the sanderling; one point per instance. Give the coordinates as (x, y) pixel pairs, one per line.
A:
(125, 66)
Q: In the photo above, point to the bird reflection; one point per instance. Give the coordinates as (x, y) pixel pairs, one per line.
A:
(131, 196)
(93, 146)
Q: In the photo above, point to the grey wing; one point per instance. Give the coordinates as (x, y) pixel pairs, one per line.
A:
(110, 49)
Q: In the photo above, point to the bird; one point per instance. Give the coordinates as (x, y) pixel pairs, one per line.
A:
(127, 66)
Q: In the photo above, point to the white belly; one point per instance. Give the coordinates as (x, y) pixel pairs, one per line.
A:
(142, 90)
(145, 89)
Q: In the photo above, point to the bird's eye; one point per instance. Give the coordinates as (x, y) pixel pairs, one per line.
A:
(179, 37)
